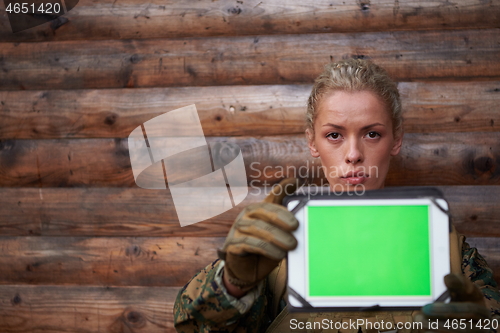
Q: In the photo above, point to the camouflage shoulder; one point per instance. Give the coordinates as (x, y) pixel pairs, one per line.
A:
(475, 267)
(201, 305)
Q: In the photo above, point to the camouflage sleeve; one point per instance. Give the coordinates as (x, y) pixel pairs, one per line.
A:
(475, 268)
(202, 306)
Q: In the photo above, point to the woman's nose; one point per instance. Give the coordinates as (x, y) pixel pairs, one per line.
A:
(353, 154)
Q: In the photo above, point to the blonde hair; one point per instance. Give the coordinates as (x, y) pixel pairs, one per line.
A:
(356, 75)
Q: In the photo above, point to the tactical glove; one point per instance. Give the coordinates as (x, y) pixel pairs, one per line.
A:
(465, 310)
(260, 238)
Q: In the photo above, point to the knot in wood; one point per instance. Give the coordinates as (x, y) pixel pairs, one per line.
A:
(223, 153)
(134, 319)
(234, 10)
(133, 250)
(110, 119)
(16, 300)
(484, 164)
(129, 321)
(135, 59)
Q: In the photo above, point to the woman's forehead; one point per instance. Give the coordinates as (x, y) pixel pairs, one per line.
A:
(355, 107)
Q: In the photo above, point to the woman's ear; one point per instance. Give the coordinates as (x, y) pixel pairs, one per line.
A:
(311, 144)
(398, 141)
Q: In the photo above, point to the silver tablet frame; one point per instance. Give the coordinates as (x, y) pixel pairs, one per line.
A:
(439, 256)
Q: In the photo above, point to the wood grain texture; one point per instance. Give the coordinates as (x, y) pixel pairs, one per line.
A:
(425, 159)
(103, 212)
(168, 19)
(281, 59)
(474, 162)
(450, 106)
(95, 309)
(129, 212)
(474, 210)
(88, 309)
(105, 261)
(232, 110)
(143, 261)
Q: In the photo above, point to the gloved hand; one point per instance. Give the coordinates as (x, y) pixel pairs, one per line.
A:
(466, 307)
(260, 238)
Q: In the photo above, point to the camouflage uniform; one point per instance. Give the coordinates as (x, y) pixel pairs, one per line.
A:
(203, 305)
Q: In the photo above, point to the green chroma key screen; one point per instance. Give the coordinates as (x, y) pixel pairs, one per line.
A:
(369, 250)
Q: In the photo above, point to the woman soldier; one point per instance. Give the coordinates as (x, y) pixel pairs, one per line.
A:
(354, 126)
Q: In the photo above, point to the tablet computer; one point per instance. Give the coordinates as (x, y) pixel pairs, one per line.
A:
(385, 248)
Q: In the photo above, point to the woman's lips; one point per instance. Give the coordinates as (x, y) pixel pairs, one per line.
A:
(354, 180)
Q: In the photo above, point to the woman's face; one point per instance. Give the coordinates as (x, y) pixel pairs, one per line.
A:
(354, 139)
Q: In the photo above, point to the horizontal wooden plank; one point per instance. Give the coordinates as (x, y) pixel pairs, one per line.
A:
(28, 308)
(76, 309)
(473, 209)
(232, 110)
(128, 261)
(103, 212)
(425, 159)
(129, 212)
(93, 309)
(280, 59)
(135, 19)
(115, 261)
(450, 106)
(446, 159)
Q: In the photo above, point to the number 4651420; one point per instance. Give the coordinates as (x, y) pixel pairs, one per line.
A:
(464, 324)
(31, 8)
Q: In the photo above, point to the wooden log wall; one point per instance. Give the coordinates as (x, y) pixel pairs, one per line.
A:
(83, 249)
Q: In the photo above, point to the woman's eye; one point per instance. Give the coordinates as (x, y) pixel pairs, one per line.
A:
(333, 136)
(373, 135)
